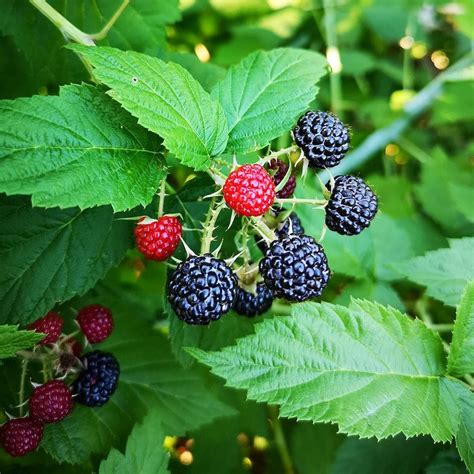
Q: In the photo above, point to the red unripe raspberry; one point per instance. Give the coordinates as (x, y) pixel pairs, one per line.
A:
(249, 190)
(281, 170)
(51, 402)
(51, 325)
(20, 436)
(158, 239)
(95, 322)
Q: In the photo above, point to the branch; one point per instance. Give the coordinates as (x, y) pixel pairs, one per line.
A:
(415, 107)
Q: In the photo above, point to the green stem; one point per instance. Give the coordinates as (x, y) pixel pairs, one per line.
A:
(21, 394)
(210, 225)
(65, 26)
(442, 327)
(68, 30)
(280, 440)
(332, 54)
(161, 202)
(407, 78)
(45, 371)
(414, 150)
(316, 202)
(105, 30)
(283, 151)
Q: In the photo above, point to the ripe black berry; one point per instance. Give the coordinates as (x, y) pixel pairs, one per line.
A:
(295, 268)
(248, 304)
(323, 138)
(291, 224)
(351, 207)
(202, 289)
(99, 379)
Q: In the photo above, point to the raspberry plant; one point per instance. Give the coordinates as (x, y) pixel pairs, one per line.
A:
(167, 221)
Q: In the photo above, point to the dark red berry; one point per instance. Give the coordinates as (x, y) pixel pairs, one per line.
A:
(21, 436)
(281, 170)
(249, 190)
(51, 325)
(51, 402)
(158, 239)
(95, 322)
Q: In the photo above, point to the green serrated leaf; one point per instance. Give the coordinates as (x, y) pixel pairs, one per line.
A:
(144, 454)
(370, 369)
(445, 272)
(77, 149)
(461, 355)
(166, 99)
(150, 377)
(264, 94)
(13, 339)
(465, 433)
(47, 256)
(389, 456)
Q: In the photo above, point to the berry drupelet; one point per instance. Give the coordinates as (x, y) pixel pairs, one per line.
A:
(202, 289)
(51, 402)
(21, 436)
(323, 138)
(249, 304)
(249, 190)
(291, 224)
(96, 322)
(51, 325)
(295, 268)
(158, 239)
(99, 379)
(351, 207)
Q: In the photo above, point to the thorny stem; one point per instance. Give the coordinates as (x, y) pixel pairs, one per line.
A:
(280, 440)
(283, 151)
(45, 371)
(21, 393)
(161, 202)
(210, 225)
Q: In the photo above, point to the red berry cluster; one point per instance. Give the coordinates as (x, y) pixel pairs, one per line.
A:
(52, 401)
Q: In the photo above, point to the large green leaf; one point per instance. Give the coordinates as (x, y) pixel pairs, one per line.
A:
(370, 369)
(444, 272)
(166, 99)
(12, 340)
(47, 256)
(77, 149)
(438, 177)
(144, 454)
(150, 378)
(461, 355)
(264, 94)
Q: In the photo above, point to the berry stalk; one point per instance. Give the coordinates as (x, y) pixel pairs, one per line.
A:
(210, 225)
(280, 440)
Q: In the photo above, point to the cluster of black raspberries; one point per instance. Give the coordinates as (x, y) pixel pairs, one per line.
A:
(93, 376)
(294, 266)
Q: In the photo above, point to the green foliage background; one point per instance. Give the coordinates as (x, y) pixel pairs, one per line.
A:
(369, 362)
